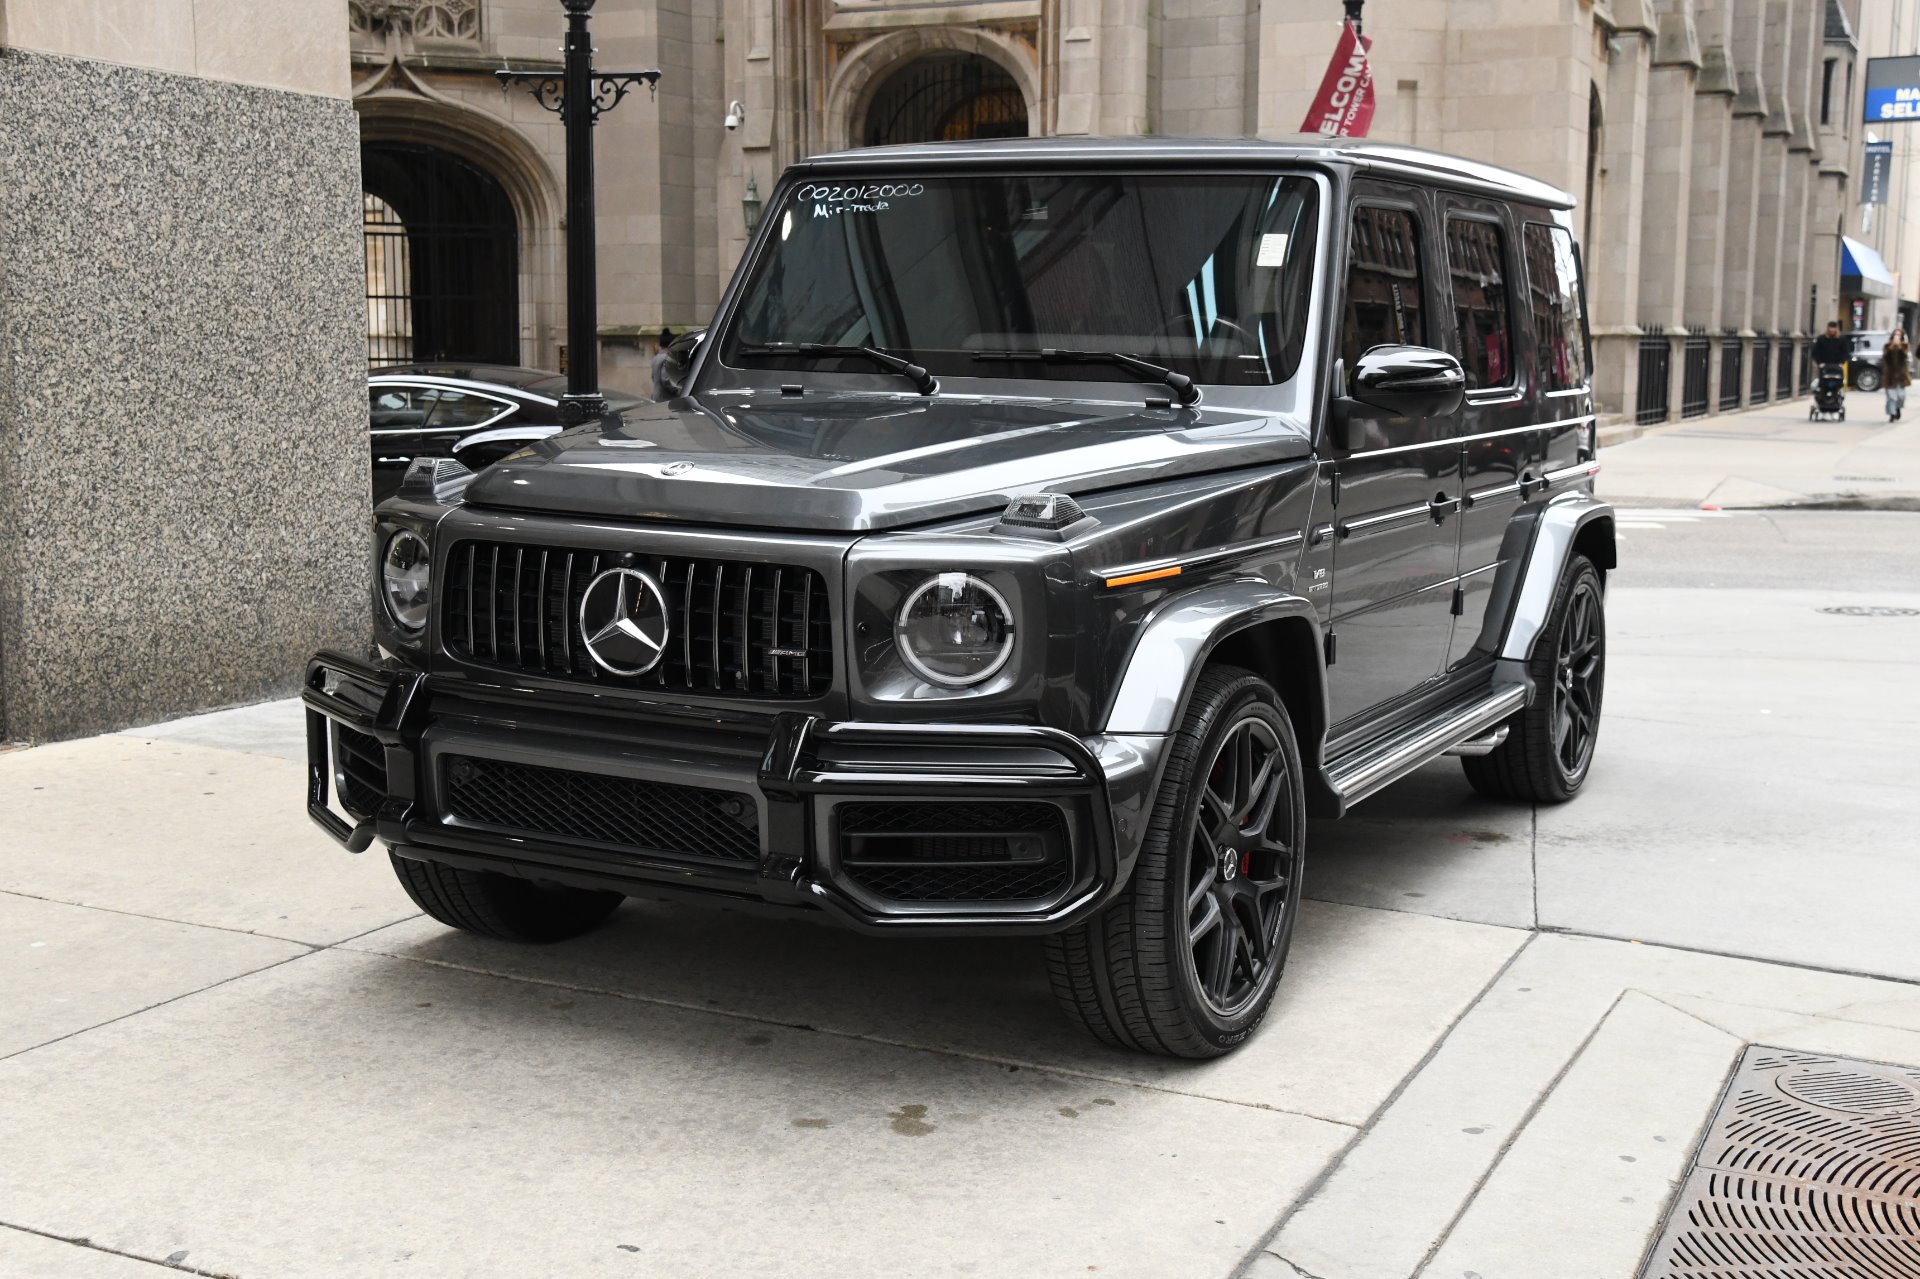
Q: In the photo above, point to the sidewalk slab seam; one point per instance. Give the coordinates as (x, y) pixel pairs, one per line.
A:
(1656, 1104)
(101, 1261)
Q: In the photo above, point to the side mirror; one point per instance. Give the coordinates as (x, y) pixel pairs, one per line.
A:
(1408, 381)
(680, 353)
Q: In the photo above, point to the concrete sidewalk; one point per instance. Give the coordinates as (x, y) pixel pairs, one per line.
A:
(229, 1047)
(1772, 456)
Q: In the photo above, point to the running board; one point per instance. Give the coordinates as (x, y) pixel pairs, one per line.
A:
(1387, 762)
(1483, 745)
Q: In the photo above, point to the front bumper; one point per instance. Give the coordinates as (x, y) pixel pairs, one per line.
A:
(866, 824)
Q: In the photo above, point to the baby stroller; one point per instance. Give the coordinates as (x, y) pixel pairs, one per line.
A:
(1829, 394)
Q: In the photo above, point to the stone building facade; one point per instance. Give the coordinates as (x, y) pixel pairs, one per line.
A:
(1710, 141)
(183, 459)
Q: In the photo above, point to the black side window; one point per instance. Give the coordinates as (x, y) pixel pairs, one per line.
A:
(1384, 299)
(454, 408)
(1476, 263)
(1559, 327)
(397, 408)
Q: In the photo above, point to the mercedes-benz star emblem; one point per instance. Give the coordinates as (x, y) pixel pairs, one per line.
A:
(623, 619)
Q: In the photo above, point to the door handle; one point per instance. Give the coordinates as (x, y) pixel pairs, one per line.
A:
(1442, 506)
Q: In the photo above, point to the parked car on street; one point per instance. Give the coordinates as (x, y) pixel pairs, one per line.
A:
(1864, 365)
(1043, 531)
(474, 413)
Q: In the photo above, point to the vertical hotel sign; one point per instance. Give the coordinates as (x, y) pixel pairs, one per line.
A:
(1893, 89)
(1344, 106)
(1873, 176)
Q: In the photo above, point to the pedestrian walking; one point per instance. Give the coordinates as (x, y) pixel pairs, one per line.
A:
(661, 390)
(1896, 372)
(1830, 347)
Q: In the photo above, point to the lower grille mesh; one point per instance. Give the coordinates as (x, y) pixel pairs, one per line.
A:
(359, 771)
(961, 883)
(656, 817)
(956, 852)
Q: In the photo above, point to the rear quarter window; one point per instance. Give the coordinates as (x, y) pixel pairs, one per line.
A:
(1559, 314)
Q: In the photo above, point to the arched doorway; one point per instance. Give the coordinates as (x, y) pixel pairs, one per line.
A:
(442, 258)
(945, 97)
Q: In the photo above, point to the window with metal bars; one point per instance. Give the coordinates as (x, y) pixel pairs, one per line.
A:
(1733, 367)
(1656, 378)
(389, 284)
(1695, 370)
(735, 629)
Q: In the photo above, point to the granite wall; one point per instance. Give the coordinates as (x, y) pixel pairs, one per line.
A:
(183, 463)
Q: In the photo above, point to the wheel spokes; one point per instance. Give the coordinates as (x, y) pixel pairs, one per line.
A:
(1219, 979)
(1201, 889)
(1241, 864)
(1210, 917)
(1577, 675)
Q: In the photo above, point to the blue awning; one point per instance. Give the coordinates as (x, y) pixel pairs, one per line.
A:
(1860, 262)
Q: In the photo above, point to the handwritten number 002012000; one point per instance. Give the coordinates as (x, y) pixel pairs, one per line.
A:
(872, 191)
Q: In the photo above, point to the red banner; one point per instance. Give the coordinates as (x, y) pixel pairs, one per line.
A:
(1344, 106)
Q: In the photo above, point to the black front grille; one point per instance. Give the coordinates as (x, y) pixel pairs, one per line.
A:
(656, 817)
(359, 771)
(736, 629)
(956, 852)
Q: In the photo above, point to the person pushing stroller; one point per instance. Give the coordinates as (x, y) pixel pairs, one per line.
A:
(1830, 352)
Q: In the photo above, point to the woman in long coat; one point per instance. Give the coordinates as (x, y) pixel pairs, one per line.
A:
(1896, 372)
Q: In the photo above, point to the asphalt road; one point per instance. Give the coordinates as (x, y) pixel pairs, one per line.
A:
(1754, 788)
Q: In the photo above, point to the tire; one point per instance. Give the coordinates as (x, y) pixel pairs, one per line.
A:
(1546, 758)
(1867, 379)
(1185, 961)
(502, 906)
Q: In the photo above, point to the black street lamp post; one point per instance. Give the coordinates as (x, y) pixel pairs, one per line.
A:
(579, 95)
(1353, 13)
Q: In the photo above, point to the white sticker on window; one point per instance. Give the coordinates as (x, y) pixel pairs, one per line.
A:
(1273, 249)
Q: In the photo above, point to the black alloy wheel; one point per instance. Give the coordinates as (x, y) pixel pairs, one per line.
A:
(1185, 960)
(1578, 670)
(1240, 865)
(1550, 741)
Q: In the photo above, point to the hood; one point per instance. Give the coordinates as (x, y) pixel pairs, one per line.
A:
(858, 462)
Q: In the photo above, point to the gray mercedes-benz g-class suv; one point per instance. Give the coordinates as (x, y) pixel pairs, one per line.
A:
(1045, 529)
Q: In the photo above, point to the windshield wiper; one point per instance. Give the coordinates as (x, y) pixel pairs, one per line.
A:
(1183, 388)
(923, 380)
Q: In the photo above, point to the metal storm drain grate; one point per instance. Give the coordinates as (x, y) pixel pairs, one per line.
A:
(1871, 610)
(1810, 1169)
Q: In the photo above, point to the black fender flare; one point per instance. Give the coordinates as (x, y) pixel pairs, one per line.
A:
(1177, 637)
(1568, 521)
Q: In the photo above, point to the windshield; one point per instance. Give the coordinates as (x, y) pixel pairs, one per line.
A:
(1208, 275)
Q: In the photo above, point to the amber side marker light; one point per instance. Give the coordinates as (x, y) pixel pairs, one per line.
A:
(1154, 575)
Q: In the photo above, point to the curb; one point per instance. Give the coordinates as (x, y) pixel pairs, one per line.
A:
(1617, 430)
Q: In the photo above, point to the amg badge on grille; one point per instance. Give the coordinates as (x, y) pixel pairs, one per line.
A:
(623, 621)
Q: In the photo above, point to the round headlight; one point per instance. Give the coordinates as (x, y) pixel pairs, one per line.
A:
(955, 630)
(406, 573)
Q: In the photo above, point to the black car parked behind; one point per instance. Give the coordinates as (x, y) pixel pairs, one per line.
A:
(475, 413)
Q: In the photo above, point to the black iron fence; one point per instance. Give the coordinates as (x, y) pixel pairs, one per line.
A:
(1760, 390)
(1784, 367)
(1806, 367)
(1696, 371)
(1732, 366)
(1656, 377)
